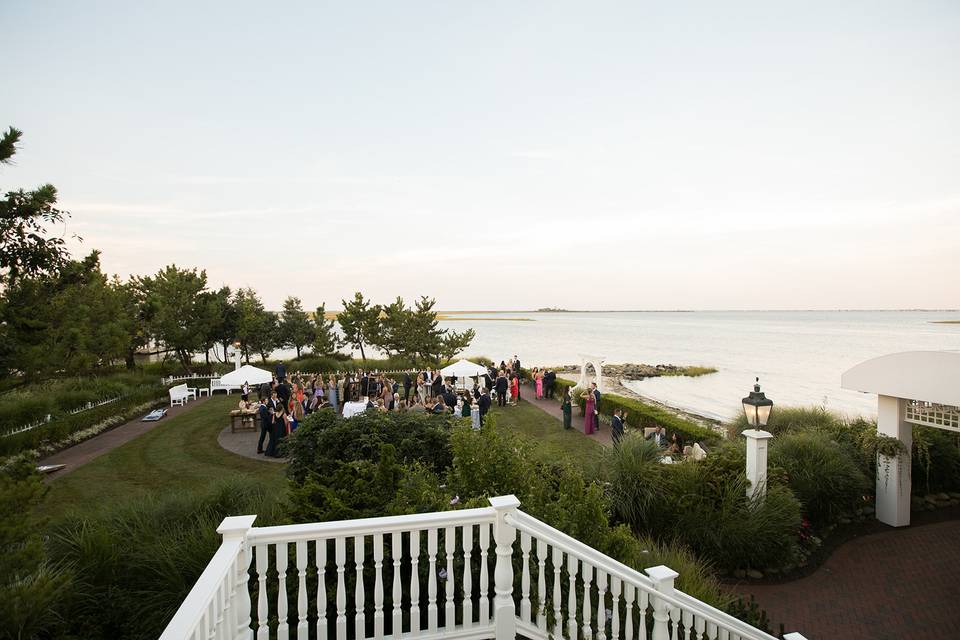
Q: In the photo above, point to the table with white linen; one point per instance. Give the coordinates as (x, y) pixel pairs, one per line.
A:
(351, 409)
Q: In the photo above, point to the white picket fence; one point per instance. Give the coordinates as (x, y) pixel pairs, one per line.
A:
(429, 576)
(48, 419)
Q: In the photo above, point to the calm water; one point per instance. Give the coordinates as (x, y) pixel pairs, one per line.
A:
(799, 355)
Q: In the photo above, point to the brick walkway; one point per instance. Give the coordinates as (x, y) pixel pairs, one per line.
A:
(552, 407)
(80, 454)
(901, 583)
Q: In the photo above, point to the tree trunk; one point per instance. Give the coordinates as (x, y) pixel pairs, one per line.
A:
(298, 352)
(131, 363)
(184, 360)
(362, 354)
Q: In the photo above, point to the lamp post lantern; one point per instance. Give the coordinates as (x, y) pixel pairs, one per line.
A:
(757, 407)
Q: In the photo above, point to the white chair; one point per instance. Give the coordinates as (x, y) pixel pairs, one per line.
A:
(179, 395)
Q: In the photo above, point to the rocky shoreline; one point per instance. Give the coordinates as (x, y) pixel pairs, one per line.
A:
(614, 386)
(631, 371)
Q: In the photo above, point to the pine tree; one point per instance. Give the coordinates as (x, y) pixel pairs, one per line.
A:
(325, 341)
(359, 322)
(296, 328)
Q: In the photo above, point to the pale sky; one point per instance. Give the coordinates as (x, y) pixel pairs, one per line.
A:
(504, 155)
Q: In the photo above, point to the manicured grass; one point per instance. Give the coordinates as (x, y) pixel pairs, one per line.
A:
(180, 454)
(552, 442)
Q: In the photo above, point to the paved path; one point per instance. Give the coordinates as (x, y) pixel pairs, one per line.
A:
(900, 583)
(80, 454)
(244, 443)
(552, 407)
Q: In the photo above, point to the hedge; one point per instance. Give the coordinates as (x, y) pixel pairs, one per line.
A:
(61, 427)
(641, 415)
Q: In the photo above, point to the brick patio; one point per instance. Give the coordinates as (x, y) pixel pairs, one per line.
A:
(900, 583)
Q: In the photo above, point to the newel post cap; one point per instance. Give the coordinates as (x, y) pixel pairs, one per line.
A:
(757, 434)
(504, 502)
(662, 575)
(236, 526)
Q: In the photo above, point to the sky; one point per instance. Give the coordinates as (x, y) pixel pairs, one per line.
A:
(504, 155)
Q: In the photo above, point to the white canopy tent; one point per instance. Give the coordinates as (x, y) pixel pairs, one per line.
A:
(463, 369)
(246, 373)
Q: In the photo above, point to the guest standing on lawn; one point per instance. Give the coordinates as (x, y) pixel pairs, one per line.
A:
(515, 389)
(332, 389)
(567, 407)
(590, 413)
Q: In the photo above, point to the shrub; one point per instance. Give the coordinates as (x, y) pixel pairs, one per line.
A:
(638, 483)
(823, 473)
(936, 460)
(324, 439)
(135, 562)
(785, 420)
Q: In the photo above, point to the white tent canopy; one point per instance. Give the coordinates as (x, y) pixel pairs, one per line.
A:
(246, 373)
(463, 369)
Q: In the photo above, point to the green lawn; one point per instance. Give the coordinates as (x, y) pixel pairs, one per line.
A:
(553, 443)
(182, 453)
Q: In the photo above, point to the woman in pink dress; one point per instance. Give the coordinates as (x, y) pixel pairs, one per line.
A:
(539, 376)
(589, 415)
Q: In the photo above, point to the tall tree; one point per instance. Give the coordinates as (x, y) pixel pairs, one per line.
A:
(256, 327)
(220, 321)
(296, 328)
(70, 322)
(325, 341)
(359, 322)
(178, 300)
(393, 335)
(25, 247)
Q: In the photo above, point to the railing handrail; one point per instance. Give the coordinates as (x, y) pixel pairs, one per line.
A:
(528, 524)
(365, 526)
(191, 611)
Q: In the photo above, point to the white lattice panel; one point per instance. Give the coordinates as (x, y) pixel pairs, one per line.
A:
(930, 414)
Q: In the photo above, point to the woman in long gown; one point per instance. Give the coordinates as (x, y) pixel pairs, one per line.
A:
(567, 407)
(539, 377)
(589, 415)
(515, 389)
(332, 390)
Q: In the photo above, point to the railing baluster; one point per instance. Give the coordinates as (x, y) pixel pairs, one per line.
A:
(541, 585)
(283, 630)
(321, 589)
(573, 565)
(688, 631)
(414, 583)
(601, 605)
(701, 627)
(263, 632)
(378, 586)
(615, 586)
(432, 581)
(396, 552)
(341, 558)
(358, 601)
(557, 594)
(467, 543)
(587, 626)
(484, 574)
(629, 593)
(525, 577)
(675, 622)
(642, 604)
(302, 591)
(449, 549)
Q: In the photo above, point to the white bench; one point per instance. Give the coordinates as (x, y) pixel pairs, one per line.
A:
(216, 385)
(180, 394)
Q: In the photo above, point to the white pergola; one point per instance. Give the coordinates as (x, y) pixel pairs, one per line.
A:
(913, 388)
(597, 362)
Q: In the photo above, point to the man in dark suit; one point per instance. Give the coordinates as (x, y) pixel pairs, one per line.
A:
(550, 380)
(407, 383)
(265, 413)
(281, 372)
(449, 397)
(364, 382)
(283, 392)
(596, 402)
(484, 404)
(501, 390)
(616, 426)
(659, 436)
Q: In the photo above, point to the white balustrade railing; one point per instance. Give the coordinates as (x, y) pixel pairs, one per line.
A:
(455, 574)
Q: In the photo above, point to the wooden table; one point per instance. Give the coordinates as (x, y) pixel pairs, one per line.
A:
(247, 420)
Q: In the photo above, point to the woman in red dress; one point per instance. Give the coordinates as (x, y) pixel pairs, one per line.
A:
(589, 415)
(514, 388)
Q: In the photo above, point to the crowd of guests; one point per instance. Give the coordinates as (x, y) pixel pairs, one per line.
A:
(283, 402)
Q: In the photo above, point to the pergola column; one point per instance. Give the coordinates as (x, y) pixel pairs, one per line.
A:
(893, 473)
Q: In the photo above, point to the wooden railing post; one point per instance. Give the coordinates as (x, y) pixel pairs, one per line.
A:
(663, 578)
(238, 602)
(504, 614)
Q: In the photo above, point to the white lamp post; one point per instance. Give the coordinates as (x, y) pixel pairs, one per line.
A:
(757, 407)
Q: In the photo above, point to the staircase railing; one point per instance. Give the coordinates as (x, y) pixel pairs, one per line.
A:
(454, 574)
